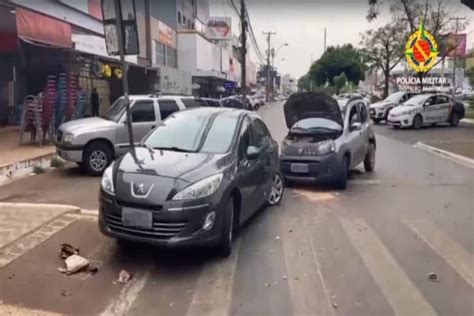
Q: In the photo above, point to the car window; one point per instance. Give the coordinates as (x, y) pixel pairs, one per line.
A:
(363, 112)
(143, 111)
(442, 99)
(354, 115)
(193, 103)
(260, 134)
(245, 138)
(430, 101)
(167, 107)
(215, 104)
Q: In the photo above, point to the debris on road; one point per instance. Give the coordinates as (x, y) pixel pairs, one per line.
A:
(296, 278)
(267, 284)
(433, 277)
(276, 283)
(284, 277)
(291, 230)
(334, 305)
(92, 270)
(67, 250)
(417, 236)
(65, 293)
(277, 238)
(124, 276)
(74, 264)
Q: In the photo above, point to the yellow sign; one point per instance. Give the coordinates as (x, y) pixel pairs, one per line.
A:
(421, 50)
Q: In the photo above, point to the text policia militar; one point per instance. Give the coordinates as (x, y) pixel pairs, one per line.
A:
(430, 81)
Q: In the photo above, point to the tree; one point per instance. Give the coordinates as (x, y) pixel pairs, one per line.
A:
(336, 60)
(383, 48)
(304, 83)
(339, 82)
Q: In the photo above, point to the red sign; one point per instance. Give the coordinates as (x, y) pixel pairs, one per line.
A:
(43, 29)
(458, 41)
(8, 36)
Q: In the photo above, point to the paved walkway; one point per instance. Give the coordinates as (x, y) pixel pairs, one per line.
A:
(12, 151)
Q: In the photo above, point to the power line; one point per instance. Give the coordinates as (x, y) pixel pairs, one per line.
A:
(234, 6)
(254, 40)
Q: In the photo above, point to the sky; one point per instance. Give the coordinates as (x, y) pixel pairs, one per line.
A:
(301, 23)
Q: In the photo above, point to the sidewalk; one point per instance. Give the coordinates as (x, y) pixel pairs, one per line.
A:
(18, 160)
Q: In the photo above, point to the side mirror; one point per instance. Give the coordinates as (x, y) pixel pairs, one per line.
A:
(253, 153)
(355, 126)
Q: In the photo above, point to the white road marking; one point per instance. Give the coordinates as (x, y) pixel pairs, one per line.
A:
(400, 292)
(128, 295)
(467, 162)
(459, 259)
(309, 295)
(213, 292)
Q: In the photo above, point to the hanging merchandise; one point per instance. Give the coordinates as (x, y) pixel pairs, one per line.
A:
(118, 73)
(106, 71)
(96, 69)
(31, 118)
(71, 96)
(80, 104)
(61, 100)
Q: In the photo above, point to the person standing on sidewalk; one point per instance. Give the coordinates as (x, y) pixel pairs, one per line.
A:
(95, 102)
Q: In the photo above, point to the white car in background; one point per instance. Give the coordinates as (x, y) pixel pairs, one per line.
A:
(427, 109)
(379, 111)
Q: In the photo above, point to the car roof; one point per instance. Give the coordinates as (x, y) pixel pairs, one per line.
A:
(158, 97)
(218, 110)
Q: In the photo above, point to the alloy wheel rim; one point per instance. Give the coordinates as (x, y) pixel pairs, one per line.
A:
(98, 160)
(277, 190)
(372, 156)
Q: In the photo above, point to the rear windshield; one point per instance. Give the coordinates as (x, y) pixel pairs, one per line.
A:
(193, 103)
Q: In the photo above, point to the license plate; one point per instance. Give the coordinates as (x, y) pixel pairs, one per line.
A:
(137, 218)
(299, 168)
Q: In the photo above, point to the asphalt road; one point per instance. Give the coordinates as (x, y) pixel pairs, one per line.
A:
(364, 251)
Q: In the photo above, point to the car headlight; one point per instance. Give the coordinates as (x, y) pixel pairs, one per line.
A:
(68, 138)
(325, 147)
(200, 189)
(107, 182)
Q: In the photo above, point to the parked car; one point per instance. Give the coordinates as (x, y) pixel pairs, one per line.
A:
(427, 109)
(215, 103)
(196, 178)
(233, 102)
(94, 142)
(323, 143)
(379, 111)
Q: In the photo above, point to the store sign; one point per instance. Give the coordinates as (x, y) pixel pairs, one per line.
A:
(165, 34)
(219, 28)
(95, 45)
(457, 45)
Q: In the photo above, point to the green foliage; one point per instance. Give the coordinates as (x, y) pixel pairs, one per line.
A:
(339, 82)
(336, 60)
(38, 170)
(57, 163)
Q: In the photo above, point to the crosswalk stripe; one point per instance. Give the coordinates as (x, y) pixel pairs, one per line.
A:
(459, 259)
(213, 292)
(400, 292)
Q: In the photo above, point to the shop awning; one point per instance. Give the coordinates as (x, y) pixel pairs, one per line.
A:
(43, 29)
(8, 35)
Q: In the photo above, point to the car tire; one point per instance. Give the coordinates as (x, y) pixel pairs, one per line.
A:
(97, 157)
(369, 161)
(225, 242)
(277, 190)
(454, 120)
(417, 121)
(341, 180)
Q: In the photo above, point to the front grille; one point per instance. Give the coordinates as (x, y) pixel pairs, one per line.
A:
(160, 230)
(59, 136)
(140, 206)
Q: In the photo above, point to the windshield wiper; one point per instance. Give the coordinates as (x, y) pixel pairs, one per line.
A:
(172, 148)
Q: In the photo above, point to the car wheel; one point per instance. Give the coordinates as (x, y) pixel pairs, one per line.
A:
(225, 242)
(454, 121)
(277, 190)
(369, 161)
(341, 180)
(97, 157)
(417, 121)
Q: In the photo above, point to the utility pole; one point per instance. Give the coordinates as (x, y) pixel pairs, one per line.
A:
(269, 38)
(324, 40)
(243, 51)
(457, 19)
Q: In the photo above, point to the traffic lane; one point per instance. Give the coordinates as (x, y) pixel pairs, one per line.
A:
(438, 133)
(67, 185)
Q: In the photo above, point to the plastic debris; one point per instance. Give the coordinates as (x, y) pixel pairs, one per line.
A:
(124, 276)
(284, 277)
(171, 304)
(277, 238)
(67, 250)
(334, 305)
(74, 264)
(267, 284)
(433, 277)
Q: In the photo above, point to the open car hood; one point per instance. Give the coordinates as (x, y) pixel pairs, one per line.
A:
(311, 105)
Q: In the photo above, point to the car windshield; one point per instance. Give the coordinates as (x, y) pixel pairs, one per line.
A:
(116, 110)
(315, 125)
(193, 103)
(195, 131)
(394, 97)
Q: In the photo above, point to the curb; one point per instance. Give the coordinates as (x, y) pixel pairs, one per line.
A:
(19, 169)
(63, 207)
(467, 121)
(467, 162)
